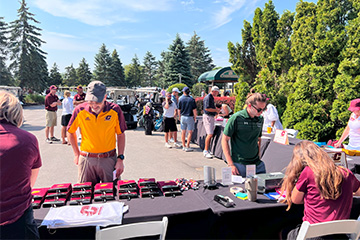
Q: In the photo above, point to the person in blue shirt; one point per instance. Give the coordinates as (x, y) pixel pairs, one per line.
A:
(187, 113)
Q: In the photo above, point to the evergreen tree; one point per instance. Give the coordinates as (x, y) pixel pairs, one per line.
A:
(268, 35)
(281, 58)
(160, 79)
(330, 37)
(70, 76)
(199, 56)
(83, 73)
(27, 59)
(308, 107)
(257, 22)
(134, 74)
(102, 71)
(347, 83)
(243, 57)
(178, 65)
(117, 70)
(55, 77)
(150, 67)
(304, 28)
(5, 75)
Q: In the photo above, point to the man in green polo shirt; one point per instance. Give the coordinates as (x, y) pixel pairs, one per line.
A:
(244, 130)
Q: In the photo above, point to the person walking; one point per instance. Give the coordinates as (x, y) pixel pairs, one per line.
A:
(68, 107)
(210, 111)
(187, 113)
(51, 103)
(103, 129)
(244, 129)
(20, 162)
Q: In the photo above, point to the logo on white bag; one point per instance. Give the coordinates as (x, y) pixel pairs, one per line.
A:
(90, 210)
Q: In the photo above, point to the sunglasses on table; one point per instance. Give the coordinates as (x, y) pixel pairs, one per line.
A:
(258, 109)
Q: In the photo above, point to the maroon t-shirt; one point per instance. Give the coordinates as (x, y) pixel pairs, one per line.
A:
(79, 97)
(19, 154)
(49, 99)
(318, 210)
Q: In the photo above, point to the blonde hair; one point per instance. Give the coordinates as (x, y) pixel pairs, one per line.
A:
(10, 109)
(254, 97)
(328, 176)
(67, 93)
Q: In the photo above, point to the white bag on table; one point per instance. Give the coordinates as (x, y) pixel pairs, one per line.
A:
(86, 215)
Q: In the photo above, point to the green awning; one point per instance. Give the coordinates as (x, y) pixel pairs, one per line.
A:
(222, 75)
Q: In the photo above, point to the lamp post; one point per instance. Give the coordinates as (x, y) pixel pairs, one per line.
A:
(180, 77)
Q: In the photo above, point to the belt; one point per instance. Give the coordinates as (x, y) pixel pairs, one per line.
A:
(99, 155)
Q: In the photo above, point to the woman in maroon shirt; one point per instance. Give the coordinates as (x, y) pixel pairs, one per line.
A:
(313, 179)
(20, 162)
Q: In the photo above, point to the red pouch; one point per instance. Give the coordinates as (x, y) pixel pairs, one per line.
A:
(128, 195)
(80, 200)
(104, 197)
(59, 189)
(38, 196)
(56, 202)
(333, 142)
(125, 186)
(82, 186)
(104, 187)
(169, 188)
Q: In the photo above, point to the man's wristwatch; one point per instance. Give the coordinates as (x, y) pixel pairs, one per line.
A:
(121, 156)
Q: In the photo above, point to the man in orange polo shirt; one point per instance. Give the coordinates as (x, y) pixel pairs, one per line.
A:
(102, 129)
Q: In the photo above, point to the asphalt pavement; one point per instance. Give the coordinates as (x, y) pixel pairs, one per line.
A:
(145, 155)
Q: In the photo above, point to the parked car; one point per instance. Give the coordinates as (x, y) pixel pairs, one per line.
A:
(127, 101)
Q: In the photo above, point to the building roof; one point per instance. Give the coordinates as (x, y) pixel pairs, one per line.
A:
(222, 75)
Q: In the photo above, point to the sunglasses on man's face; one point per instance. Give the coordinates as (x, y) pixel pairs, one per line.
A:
(258, 109)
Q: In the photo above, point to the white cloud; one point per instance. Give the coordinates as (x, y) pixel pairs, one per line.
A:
(223, 16)
(98, 13)
(64, 42)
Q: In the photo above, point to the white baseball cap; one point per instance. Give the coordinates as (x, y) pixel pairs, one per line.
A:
(215, 88)
(175, 89)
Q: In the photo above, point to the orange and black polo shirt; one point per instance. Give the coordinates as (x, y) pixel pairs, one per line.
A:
(97, 131)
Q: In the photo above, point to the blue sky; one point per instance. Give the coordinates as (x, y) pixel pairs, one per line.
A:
(74, 29)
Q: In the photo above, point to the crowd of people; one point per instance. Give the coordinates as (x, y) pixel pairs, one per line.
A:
(312, 178)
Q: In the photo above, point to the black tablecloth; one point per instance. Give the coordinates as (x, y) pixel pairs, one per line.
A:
(199, 136)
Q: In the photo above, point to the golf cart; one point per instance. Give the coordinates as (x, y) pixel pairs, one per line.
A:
(127, 101)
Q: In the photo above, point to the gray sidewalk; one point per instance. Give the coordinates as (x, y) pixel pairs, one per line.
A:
(145, 155)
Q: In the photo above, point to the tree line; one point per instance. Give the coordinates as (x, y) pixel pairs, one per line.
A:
(307, 62)
(20, 44)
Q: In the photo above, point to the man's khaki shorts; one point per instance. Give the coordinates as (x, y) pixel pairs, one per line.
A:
(51, 119)
(209, 123)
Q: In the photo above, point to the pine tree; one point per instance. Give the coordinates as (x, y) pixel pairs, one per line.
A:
(5, 75)
(268, 35)
(150, 67)
(330, 38)
(304, 29)
(134, 75)
(281, 58)
(55, 77)
(83, 73)
(160, 79)
(70, 77)
(178, 66)
(243, 57)
(102, 71)
(28, 60)
(117, 70)
(199, 56)
(347, 83)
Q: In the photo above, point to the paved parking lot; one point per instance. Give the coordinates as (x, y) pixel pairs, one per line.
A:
(145, 155)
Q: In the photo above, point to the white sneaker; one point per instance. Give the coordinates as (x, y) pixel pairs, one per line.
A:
(48, 140)
(178, 145)
(171, 140)
(168, 145)
(183, 148)
(189, 149)
(207, 155)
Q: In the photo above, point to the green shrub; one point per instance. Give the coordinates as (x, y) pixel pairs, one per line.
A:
(180, 86)
(197, 89)
(34, 99)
